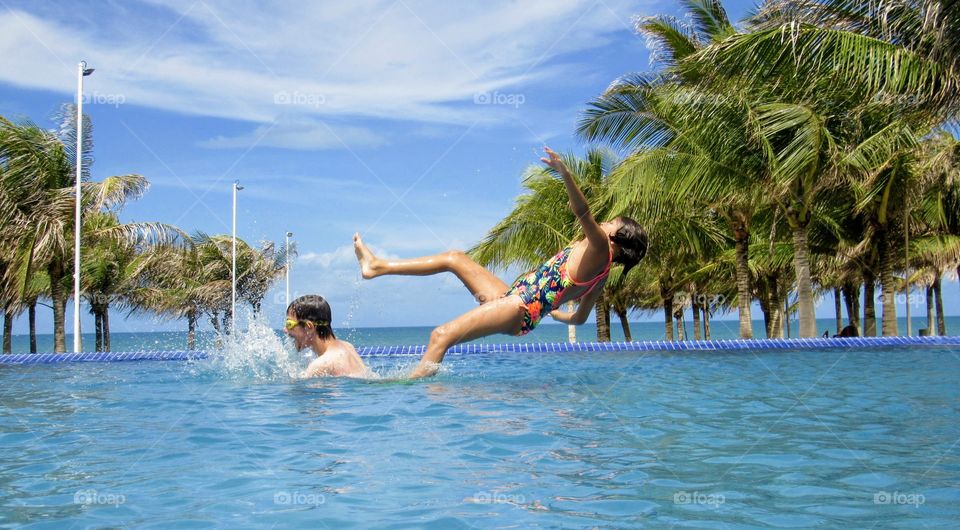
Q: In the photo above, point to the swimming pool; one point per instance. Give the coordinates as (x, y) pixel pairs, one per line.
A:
(839, 438)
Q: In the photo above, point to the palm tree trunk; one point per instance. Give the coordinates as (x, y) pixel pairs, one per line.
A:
(851, 300)
(191, 330)
(667, 314)
(889, 316)
(869, 309)
(765, 305)
(571, 329)
(32, 317)
(681, 332)
(930, 329)
(801, 260)
(743, 285)
(215, 321)
(98, 330)
(7, 331)
(786, 314)
(106, 327)
(624, 323)
(696, 318)
(938, 294)
(706, 322)
(838, 309)
(776, 303)
(603, 318)
(55, 271)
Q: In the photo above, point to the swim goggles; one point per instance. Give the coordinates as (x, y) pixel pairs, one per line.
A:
(291, 323)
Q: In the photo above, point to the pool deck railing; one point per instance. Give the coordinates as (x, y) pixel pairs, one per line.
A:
(634, 346)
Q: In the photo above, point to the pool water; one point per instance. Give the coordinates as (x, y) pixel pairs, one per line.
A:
(706, 440)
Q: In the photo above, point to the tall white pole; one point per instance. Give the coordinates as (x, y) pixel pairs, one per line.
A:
(81, 71)
(289, 235)
(233, 257)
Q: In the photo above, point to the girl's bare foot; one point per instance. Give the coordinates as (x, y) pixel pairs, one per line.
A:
(367, 260)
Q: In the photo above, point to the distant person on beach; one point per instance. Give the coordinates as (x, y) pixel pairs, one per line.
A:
(849, 331)
(308, 324)
(517, 309)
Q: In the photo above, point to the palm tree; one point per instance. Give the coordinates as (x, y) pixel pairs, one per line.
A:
(908, 52)
(39, 163)
(262, 267)
(176, 285)
(640, 112)
(114, 268)
(698, 160)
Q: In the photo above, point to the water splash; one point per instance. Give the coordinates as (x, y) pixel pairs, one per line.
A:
(254, 351)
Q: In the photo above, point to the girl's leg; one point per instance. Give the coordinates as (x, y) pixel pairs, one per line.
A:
(504, 315)
(482, 283)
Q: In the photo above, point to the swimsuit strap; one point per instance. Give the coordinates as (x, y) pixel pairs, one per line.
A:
(596, 280)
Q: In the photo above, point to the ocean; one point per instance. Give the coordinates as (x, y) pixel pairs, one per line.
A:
(415, 335)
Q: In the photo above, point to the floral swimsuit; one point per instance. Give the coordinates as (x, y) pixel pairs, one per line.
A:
(542, 288)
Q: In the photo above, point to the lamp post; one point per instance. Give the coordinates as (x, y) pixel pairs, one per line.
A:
(82, 71)
(287, 254)
(233, 255)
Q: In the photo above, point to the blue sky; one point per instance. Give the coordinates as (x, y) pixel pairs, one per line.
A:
(409, 121)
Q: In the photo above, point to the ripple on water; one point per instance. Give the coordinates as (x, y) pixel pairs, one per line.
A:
(870, 480)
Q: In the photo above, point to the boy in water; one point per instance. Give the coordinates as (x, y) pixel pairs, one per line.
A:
(308, 324)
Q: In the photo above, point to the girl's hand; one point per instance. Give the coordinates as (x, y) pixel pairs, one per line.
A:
(553, 161)
(562, 316)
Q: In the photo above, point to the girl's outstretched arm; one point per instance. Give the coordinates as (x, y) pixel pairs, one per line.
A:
(584, 306)
(578, 203)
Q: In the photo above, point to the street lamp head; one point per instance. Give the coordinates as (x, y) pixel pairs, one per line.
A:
(87, 71)
(289, 234)
(237, 186)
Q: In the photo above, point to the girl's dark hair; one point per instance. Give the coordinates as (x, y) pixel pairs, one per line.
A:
(313, 308)
(632, 240)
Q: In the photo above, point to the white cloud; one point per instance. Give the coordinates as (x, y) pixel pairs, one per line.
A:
(340, 258)
(304, 135)
(298, 63)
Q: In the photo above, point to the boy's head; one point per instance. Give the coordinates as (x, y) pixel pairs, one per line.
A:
(307, 317)
(631, 241)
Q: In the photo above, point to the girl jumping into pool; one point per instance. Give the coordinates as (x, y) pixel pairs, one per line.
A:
(517, 309)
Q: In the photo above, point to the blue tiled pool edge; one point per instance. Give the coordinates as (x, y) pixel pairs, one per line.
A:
(702, 345)
(47, 358)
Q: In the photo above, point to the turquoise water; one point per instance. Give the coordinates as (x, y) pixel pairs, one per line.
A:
(720, 329)
(837, 439)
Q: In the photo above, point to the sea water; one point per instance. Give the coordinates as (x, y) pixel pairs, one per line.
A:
(415, 335)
